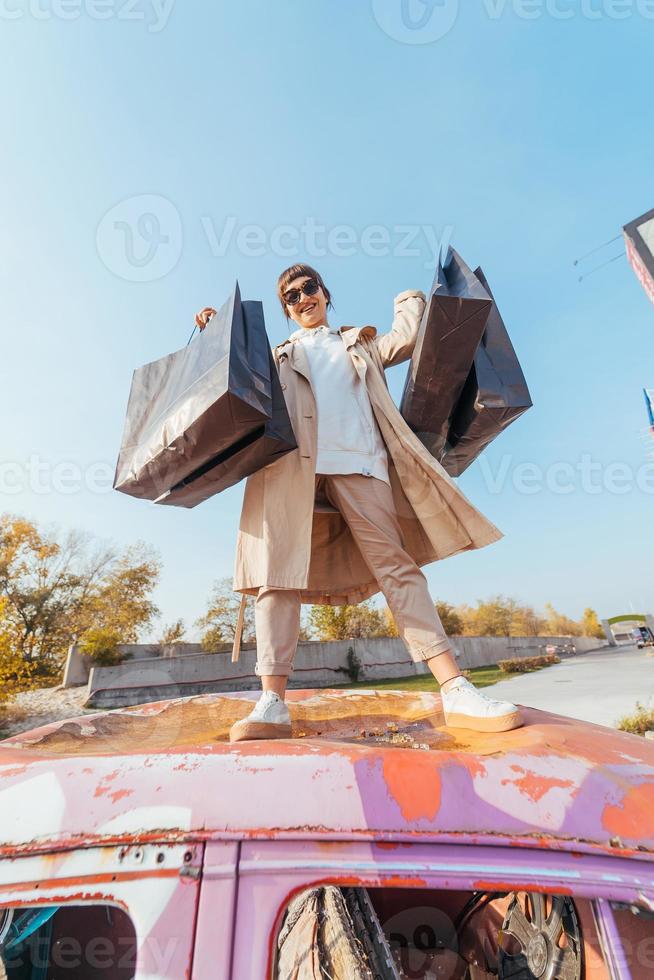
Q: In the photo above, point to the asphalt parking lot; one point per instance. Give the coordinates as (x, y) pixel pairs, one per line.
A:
(599, 687)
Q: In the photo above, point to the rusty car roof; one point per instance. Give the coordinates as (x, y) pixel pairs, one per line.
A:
(361, 763)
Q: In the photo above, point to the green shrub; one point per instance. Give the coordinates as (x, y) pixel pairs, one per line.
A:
(522, 665)
(640, 722)
(354, 665)
(101, 646)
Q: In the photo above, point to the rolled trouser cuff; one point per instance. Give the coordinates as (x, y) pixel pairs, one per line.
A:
(277, 627)
(273, 670)
(434, 649)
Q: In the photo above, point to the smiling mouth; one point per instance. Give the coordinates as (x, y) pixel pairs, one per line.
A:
(308, 309)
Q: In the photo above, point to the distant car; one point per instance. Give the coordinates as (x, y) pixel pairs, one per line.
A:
(643, 637)
(561, 649)
(141, 843)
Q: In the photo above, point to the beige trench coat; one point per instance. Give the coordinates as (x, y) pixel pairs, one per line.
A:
(287, 541)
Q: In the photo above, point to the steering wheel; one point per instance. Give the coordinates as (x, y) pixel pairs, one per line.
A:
(545, 939)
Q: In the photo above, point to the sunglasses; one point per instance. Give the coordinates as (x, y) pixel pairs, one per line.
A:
(308, 288)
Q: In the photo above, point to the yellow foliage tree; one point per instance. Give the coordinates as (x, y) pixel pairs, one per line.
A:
(218, 624)
(390, 624)
(15, 671)
(591, 625)
(452, 622)
(347, 622)
(559, 625)
(58, 586)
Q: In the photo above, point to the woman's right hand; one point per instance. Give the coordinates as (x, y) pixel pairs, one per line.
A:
(202, 318)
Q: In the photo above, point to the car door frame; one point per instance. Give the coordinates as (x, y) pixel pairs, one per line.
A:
(156, 884)
(270, 873)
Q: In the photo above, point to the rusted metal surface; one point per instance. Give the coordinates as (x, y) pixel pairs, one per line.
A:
(157, 886)
(368, 764)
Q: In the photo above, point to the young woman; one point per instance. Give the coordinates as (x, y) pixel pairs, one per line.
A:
(356, 509)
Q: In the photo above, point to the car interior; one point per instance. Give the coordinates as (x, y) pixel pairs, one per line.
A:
(354, 933)
(67, 942)
(425, 934)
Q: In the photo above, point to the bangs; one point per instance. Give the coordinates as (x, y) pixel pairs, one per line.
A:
(294, 272)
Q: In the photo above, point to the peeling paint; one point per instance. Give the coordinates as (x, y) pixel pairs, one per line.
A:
(635, 812)
(535, 786)
(413, 784)
(372, 765)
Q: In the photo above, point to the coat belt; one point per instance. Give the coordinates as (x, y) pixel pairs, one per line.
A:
(236, 649)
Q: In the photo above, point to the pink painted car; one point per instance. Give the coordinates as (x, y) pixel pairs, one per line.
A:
(375, 843)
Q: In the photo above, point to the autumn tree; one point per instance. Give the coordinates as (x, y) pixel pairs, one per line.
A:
(451, 620)
(219, 621)
(591, 625)
(305, 628)
(15, 671)
(492, 617)
(122, 600)
(172, 633)
(556, 624)
(364, 620)
(55, 587)
(500, 616)
(347, 622)
(526, 622)
(45, 583)
(389, 623)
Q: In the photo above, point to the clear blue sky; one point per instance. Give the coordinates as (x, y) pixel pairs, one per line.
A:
(529, 137)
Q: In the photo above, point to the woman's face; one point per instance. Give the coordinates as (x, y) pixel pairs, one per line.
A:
(309, 311)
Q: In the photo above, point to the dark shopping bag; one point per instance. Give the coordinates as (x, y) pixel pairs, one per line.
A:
(257, 449)
(495, 394)
(452, 326)
(195, 405)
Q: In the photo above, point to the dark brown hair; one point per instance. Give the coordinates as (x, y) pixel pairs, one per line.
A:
(294, 272)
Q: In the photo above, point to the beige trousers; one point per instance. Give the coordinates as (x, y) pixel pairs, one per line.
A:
(367, 506)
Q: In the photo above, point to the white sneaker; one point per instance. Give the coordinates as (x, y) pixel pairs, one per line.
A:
(270, 718)
(466, 707)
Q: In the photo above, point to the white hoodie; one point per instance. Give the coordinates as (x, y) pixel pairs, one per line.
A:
(349, 440)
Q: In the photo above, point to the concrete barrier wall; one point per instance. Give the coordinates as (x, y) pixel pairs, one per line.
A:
(78, 666)
(317, 664)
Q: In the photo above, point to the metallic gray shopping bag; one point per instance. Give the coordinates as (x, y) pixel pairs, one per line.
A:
(265, 444)
(196, 404)
(465, 384)
(495, 394)
(455, 316)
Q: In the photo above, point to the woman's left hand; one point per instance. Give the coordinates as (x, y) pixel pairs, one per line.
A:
(202, 318)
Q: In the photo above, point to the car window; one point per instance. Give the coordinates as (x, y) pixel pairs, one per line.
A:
(635, 927)
(424, 934)
(66, 942)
